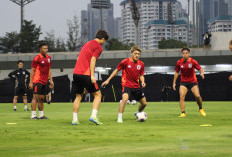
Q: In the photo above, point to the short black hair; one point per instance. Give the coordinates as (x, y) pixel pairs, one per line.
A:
(185, 48)
(20, 61)
(42, 44)
(102, 34)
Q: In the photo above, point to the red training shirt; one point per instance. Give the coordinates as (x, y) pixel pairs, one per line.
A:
(42, 65)
(89, 50)
(131, 72)
(187, 70)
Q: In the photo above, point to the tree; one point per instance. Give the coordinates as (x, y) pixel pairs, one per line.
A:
(171, 43)
(73, 42)
(10, 43)
(29, 37)
(115, 44)
(60, 45)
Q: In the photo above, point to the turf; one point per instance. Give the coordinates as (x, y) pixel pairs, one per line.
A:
(163, 134)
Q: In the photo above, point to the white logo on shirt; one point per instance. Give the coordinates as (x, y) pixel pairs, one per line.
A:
(18, 73)
(129, 66)
(48, 60)
(42, 62)
(138, 67)
(190, 65)
(182, 66)
(23, 72)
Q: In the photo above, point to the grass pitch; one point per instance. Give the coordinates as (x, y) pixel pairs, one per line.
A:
(163, 134)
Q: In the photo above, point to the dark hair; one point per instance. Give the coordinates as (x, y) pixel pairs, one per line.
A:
(20, 61)
(102, 34)
(185, 48)
(42, 44)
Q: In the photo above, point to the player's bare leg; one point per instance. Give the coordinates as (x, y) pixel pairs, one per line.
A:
(122, 105)
(15, 100)
(196, 93)
(76, 107)
(143, 104)
(33, 106)
(41, 106)
(25, 103)
(96, 104)
(183, 91)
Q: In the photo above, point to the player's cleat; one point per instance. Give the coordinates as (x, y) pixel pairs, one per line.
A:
(182, 115)
(120, 120)
(26, 109)
(95, 120)
(202, 112)
(48, 102)
(75, 122)
(43, 117)
(15, 109)
(34, 118)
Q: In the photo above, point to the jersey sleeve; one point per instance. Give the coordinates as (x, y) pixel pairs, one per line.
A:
(177, 69)
(34, 62)
(121, 65)
(97, 52)
(196, 65)
(142, 72)
(12, 74)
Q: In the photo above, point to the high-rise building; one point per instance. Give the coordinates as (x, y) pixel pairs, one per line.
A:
(220, 24)
(117, 28)
(150, 10)
(229, 3)
(91, 23)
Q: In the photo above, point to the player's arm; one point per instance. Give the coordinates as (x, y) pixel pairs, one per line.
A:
(202, 73)
(111, 76)
(142, 79)
(51, 80)
(32, 73)
(92, 68)
(174, 80)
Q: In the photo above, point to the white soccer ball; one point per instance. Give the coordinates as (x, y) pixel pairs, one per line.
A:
(133, 102)
(141, 116)
(128, 102)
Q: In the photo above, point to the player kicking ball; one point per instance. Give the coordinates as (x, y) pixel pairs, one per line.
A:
(83, 75)
(132, 71)
(187, 67)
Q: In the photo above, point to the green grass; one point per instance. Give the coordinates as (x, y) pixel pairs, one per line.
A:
(163, 134)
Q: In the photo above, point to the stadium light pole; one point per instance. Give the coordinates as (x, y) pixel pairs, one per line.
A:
(22, 3)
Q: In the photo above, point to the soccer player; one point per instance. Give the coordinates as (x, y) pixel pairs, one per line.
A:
(83, 75)
(20, 77)
(187, 67)
(230, 47)
(133, 71)
(40, 72)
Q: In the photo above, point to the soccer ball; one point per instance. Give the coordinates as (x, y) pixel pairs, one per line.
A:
(128, 102)
(133, 102)
(141, 116)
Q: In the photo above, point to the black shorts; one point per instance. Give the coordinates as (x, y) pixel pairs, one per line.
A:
(83, 81)
(137, 93)
(20, 90)
(188, 85)
(39, 89)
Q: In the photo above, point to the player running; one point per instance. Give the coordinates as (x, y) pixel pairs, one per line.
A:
(187, 67)
(83, 75)
(133, 71)
(230, 47)
(40, 72)
(20, 77)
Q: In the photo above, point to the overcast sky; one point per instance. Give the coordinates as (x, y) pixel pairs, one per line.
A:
(50, 14)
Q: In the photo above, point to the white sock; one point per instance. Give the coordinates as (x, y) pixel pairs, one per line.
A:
(15, 107)
(94, 113)
(119, 115)
(25, 107)
(33, 114)
(75, 116)
(41, 114)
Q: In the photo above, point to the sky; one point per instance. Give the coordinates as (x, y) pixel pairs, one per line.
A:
(49, 14)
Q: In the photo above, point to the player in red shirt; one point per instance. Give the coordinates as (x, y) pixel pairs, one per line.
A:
(133, 71)
(83, 75)
(40, 72)
(187, 67)
(230, 47)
